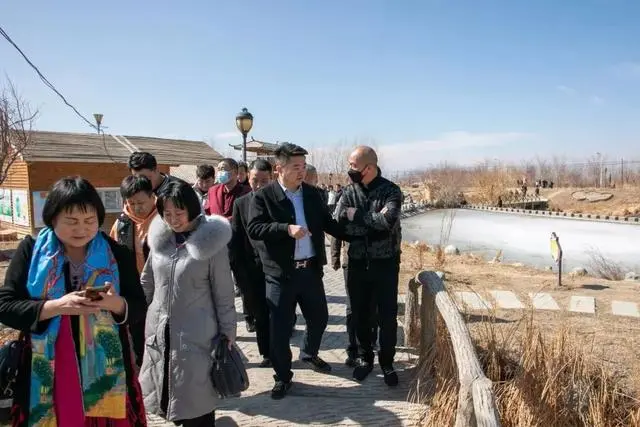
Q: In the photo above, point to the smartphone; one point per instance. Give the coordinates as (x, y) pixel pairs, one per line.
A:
(94, 293)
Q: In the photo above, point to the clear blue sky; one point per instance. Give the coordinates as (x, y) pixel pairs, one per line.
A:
(429, 80)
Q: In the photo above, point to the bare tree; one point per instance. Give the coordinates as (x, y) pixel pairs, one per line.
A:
(543, 169)
(593, 170)
(223, 147)
(334, 159)
(488, 179)
(528, 171)
(16, 124)
(559, 171)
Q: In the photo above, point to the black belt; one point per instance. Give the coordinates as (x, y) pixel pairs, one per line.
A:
(300, 264)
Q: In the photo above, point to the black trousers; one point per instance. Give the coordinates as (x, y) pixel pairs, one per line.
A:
(376, 281)
(352, 349)
(304, 287)
(253, 287)
(246, 311)
(248, 316)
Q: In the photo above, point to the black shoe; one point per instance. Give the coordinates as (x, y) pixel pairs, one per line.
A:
(390, 376)
(351, 361)
(280, 389)
(363, 369)
(251, 326)
(266, 363)
(317, 364)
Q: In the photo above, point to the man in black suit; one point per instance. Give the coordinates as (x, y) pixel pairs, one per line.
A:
(245, 262)
(290, 218)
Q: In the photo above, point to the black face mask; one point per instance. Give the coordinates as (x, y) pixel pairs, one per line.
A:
(355, 176)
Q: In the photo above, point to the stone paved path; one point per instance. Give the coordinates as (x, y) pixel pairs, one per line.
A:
(319, 399)
(541, 301)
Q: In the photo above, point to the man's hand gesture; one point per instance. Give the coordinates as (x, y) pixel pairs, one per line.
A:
(298, 231)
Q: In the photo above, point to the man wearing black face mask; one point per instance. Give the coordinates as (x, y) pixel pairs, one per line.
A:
(370, 208)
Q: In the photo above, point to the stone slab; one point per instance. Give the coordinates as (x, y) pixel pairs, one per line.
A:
(625, 308)
(473, 301)
(543, 301)
(581, 304)
(319, 399)
(506, 299)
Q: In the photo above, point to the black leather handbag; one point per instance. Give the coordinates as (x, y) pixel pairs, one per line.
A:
(11, 360)
(228, 373)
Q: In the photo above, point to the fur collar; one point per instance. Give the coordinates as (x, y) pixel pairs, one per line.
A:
(209, 237)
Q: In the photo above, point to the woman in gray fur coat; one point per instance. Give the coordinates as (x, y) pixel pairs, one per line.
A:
(188, 286)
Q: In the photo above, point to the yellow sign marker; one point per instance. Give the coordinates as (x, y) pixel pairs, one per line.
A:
(556, 254)
(555, 249)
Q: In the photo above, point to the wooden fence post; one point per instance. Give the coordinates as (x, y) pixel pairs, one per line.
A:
(476, 403)
(484, 404)
(412, 316)
(464, 411)
(428, 318)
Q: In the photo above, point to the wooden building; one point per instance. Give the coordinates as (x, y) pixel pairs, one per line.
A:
(257, 149)
(102, 159)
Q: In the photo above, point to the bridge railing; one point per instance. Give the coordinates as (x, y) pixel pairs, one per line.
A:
(526, 199)
(476, 400)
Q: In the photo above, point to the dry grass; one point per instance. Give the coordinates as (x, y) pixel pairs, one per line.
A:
(440, 257)
(491, 184)
(539, 380)
(549, 368)
(605, 268)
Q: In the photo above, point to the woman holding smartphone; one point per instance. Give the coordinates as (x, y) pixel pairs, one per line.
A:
(79, 358)
(188, 284)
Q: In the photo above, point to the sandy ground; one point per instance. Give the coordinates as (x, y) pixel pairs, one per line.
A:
(613, 340)
(625, 201)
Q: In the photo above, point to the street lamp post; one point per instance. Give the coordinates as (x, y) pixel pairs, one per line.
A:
(244, 123)
(98, 118)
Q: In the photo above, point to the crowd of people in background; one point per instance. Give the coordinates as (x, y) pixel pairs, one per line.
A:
(164, 281)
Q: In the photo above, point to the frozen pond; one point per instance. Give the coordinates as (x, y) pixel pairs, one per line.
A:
(525, 238)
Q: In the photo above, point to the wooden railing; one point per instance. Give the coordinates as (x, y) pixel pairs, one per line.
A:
(476, 400)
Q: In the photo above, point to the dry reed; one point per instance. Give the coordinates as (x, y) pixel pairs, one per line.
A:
(542, 377)
(539, 380)
(603, 267)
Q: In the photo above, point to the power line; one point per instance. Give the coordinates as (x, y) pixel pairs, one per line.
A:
(57, 92)
(45, 80)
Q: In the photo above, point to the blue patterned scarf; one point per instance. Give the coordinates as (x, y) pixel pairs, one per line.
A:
(101, 366)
